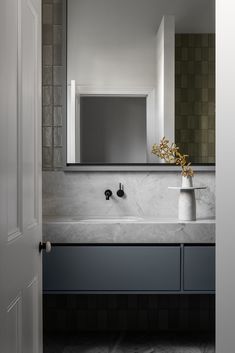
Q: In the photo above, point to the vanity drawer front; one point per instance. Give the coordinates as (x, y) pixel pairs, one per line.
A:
(199, 268)
(112, 268)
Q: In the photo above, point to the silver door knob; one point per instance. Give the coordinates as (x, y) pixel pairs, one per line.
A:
(45, 246)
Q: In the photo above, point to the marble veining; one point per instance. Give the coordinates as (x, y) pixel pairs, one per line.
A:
(81, 195)
(144, 231)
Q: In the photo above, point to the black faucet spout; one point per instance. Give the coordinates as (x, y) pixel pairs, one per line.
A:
(108, 194)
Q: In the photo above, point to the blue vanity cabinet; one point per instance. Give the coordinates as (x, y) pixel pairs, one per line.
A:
(107, 268)
(136, 268)
(199, 268)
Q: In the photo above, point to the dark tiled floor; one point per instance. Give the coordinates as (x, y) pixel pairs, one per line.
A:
(129, 343)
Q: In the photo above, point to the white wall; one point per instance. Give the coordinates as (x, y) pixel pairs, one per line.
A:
(165, 79)
(113, 42)
(104, 51)
(225, 195)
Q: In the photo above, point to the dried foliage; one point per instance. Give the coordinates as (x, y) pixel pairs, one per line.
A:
(171, 154)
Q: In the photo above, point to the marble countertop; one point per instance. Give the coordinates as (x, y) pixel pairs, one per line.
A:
(127, 230)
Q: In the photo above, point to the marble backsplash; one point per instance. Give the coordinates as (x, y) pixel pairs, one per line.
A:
(81, 195)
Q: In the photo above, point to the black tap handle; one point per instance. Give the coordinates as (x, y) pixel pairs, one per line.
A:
(120, 192)
(108, 193)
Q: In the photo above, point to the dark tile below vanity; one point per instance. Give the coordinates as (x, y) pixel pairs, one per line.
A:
(129, 343)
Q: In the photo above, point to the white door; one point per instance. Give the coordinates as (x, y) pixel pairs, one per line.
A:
(20, 176)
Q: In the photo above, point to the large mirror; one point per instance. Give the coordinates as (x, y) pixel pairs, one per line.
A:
(138, 70)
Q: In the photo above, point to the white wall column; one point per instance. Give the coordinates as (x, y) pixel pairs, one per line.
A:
(165, 79)
(225, 170)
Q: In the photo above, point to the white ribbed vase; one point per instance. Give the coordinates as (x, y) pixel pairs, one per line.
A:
(187, 181)
(187, 201)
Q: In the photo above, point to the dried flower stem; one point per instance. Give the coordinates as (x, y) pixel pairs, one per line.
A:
(171, 154)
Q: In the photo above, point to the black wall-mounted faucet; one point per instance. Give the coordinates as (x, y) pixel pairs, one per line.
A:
(108, 193)
(120, 192)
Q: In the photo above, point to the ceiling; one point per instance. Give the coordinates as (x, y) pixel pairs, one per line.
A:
(191, 16)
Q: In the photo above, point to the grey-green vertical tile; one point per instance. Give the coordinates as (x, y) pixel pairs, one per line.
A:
(47, 95)
(191, 95)
(57, 34)
(184, 81)
(211, 108)
(198, 67)
(178, 67)
(205, 95)
(205, 108)
(177, 108)
(178, 40)
(184, 41)
(204, 122)
(192, 122)
(58, 75)
(190, 67)
(178, 53)
(184, 54)
(197, 108)
(205, 81)
(58, 116)
(211, 136)
(198, 40)
(47, 34)
(47, 55)
(47, 14)
(47, 136)
(198, 54)
(186, 108)
(211, 39)
(47, 157)
(205, 67)
(205, 54)
(58, 137)
(205, 40)
(177, 95)
(47, 75)
(57, 55)
(57, 13)
(211, 81)
(211, 67)
(212, 122)
(58, 157)
(47, 116)
(211, 149)
(211, 159)
(58, 99)
(191, 55)
(191, 40)
(211, 54)
(177, 136)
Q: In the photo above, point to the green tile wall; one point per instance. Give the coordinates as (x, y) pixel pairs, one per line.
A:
(195, 96)
(52, 80)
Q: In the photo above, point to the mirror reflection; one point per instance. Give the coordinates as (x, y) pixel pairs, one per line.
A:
(138, 70)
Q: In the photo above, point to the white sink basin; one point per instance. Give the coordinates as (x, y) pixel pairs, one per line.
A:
(110, 219)
(127, 229)
(124, 219)
(92, 220)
